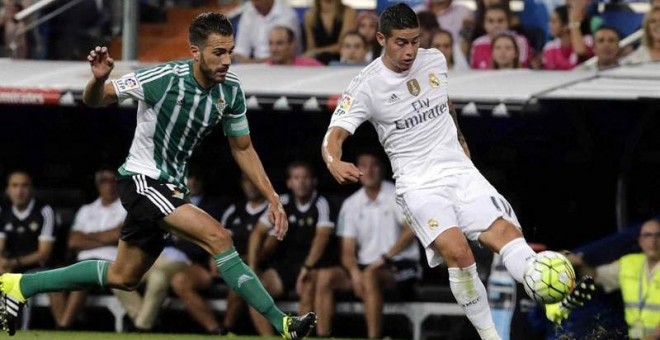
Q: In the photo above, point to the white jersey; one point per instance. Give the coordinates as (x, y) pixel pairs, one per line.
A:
(410, 112)
(94, 218)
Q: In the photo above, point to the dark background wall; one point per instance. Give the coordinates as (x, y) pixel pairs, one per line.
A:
(558, 165)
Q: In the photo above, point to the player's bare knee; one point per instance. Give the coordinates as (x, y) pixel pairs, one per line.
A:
(459, 255)
(218, 240)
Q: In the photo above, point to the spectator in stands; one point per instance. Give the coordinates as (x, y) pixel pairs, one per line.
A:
(606, 49)
(178, 255)
(282, 46)
(15, 44)
(325, 23)
(94, 235)
(378, 249)
(310, 248)
(496, 20)
(353, 50)
(650, 48)
(505, 52)
(427, 25)
(443, 41)
(367, 25)
(27, 228)
(638, 277)
(569, 47)
(258, 19)
(239, 219)
(450, 15)
(74, 31)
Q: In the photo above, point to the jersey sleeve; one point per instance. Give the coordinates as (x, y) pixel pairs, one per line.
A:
(353, 107)
(234, 120)
(346, 222)
(324, 220)
(48, 228)
(79, 220)
(147, 85)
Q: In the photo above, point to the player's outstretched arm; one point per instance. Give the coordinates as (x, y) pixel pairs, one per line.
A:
(331, 151)
(248, 160)
(461, 138)
(97, 92)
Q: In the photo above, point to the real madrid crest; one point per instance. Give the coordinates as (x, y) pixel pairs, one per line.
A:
(432, 224)
(413, 87)
(220, 105)
(433, 80)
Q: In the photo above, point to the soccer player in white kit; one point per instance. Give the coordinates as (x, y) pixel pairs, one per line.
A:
(444, 197)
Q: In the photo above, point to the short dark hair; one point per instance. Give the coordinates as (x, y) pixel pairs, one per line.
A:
(19, 172)
(290, 35)
(300, 164)
(498, 7)
(397, 17)
(354, 34)
(608, 28)
(208, 23)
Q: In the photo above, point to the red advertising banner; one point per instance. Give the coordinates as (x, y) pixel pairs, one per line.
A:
(10, 95)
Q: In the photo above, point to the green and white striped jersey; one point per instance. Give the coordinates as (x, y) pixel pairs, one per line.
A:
(174, 115)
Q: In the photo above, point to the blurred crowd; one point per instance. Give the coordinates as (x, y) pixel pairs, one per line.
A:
(552, 35)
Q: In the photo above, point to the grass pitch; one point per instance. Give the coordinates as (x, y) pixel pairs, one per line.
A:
(65, 335)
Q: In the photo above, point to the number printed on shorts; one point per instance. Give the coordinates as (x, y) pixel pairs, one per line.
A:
(500, 203)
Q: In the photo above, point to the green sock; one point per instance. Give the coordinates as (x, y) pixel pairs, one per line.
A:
(243, 281)
(79, 276)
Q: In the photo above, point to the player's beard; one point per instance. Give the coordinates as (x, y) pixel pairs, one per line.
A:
(208, 73)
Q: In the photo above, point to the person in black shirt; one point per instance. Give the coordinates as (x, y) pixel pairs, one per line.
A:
(239, 219)
(27, 229)
(311, 244)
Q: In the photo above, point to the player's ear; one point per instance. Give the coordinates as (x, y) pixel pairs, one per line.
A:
(194, 50)
(381, 38)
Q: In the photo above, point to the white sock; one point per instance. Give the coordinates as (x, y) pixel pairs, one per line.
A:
(517, 256)
(470, 294)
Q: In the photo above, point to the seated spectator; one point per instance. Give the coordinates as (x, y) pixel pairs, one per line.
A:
(427, 25)
(353, 50)
(325, 23)
(443, 41)
(379, 251)
(450, 15)
(606, 49)
(367, 26)
(505, 52)
(27, 230)
(310, 248)
(496, 20)
(569, 47)
(258, 19)
(15, 45)
(282, 46)
(94, 236)
(650, 48)
(240, 219)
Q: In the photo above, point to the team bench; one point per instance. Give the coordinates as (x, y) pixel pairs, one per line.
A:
(415, 311)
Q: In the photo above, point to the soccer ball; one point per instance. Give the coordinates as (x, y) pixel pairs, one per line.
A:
(550, 277)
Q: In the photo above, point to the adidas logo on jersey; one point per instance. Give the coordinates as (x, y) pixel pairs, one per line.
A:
(393, 99)
(243, 279)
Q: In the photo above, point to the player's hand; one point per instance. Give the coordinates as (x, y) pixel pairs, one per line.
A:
(278, 218)
(344, 172)
(101, 62)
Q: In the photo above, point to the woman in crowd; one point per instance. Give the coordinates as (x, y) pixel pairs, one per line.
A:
(650, 48)
(325, 23)
(569, 47)
(367, 26)
(505, 52)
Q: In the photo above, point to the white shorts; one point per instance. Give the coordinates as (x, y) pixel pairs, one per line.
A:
(466, 201)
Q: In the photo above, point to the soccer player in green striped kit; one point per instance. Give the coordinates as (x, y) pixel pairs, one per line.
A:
(179, 103)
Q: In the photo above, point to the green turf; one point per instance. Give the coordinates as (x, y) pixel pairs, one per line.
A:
(53, 335)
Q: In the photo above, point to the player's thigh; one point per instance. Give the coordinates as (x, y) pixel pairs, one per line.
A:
(129, 267)
(195, 225)
(429, 213)
(481, 206)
